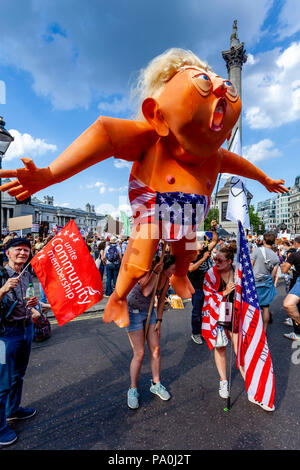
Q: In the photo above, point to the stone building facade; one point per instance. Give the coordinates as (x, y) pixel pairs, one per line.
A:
(282, 209)
(294, 206)
(53, 216)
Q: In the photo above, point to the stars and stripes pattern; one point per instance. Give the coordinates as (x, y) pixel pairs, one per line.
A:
(177, 212)
(253, 350)
(211, 306)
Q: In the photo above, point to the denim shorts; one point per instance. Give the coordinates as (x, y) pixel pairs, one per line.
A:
(296, 289)
(138, 319)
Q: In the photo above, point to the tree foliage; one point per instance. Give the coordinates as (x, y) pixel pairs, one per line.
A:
(209, 217)
(255, 221)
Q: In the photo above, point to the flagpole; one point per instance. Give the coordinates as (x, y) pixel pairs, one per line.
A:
(22, 272)
(214, 211)
(228, 407)
(231, 357)
(219, 176)
(154, 290)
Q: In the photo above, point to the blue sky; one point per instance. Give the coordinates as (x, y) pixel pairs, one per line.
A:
(64, 63)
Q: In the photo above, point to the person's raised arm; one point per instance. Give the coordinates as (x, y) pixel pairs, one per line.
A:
(194, 266)
(148, 281)
(214, 241)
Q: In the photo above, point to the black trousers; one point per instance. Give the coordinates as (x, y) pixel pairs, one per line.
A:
(296, 327)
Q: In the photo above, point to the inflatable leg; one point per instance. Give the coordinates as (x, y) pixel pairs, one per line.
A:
(184, 252)
(136, 262)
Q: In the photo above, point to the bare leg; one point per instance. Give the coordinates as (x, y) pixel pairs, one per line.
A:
(184, 253)
(137, 341)
(220, 359)
(154, 350)
(266, 317)
(290, 304)
(136, 262)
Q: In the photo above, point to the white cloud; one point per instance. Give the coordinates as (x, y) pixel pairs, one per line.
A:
(251, 59)
(75, 58)
(289, 19)
(122, 163)
(120, 189)
(262, 150)
(103, 187)
(116, 106)
(99, 185)
(24, 145)
(272, 88)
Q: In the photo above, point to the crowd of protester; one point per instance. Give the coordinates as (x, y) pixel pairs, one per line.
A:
(272, 260)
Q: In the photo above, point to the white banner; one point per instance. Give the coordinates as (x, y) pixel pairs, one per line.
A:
(237, 208)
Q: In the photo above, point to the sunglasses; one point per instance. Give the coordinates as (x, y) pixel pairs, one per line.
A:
(218, 260)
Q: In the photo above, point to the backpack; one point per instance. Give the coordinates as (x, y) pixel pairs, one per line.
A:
(268, 263)
(112, 254)
(41, 328)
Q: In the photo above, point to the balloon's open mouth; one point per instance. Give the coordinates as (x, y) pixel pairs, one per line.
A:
(218, 116)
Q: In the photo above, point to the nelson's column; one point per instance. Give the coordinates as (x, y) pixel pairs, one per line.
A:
(235, 57)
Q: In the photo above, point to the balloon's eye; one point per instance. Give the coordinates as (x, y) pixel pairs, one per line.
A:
(231, 91)
(203, 83)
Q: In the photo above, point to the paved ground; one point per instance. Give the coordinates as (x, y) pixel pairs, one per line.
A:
(79, 378)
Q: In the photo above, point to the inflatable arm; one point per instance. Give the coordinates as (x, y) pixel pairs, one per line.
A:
(105, 138)
(237, 165)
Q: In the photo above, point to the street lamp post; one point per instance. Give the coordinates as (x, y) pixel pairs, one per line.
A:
(5, 141)
(295, 217)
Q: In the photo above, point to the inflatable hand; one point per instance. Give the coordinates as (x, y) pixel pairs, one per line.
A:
(29, 180)
(275, 186)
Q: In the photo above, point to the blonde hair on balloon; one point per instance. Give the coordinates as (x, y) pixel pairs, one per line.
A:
(159, 71)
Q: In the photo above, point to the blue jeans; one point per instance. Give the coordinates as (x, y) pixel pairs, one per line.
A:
(43, 295)
(138, 319)
(15, 347)
(112, 271)
(197, 303)
(101, 269)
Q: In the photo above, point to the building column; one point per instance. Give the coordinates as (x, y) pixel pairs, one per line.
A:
(235, 57)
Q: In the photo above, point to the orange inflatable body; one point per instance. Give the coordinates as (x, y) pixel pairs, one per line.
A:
(176, 154)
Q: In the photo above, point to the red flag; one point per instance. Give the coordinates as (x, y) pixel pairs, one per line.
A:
(68, 274)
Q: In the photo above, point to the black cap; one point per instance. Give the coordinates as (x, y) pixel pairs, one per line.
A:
(17, 241)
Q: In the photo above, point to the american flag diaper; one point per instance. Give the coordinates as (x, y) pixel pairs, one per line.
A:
(178, 213)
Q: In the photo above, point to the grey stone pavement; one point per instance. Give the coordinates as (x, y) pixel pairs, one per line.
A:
(78, 381)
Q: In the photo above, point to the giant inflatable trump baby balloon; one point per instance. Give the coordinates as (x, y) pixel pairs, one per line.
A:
(187, 112)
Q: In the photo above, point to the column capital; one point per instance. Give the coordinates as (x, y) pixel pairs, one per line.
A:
(236, 55)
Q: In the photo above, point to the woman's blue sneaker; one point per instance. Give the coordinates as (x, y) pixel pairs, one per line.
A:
(160, 390)
(132, 398)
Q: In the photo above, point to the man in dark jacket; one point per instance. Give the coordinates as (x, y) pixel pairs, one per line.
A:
(15, 337)
(196, 274)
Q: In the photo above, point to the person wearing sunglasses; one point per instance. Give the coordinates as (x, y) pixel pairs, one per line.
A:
(219, 291)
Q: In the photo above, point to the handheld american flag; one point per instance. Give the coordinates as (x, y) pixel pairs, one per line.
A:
(253, 350)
